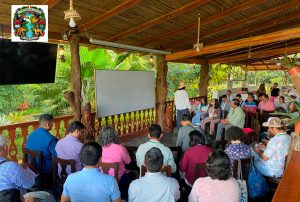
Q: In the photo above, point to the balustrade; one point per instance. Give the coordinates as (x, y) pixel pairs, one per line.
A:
(128, 125)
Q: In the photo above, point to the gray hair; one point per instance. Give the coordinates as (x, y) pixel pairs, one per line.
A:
(107, 136)
(3, 142)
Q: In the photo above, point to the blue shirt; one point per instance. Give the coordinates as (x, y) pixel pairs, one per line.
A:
(42, 140)
(91, 185)
(13, 176)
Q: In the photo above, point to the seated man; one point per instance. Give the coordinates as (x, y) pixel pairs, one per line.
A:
(183, 133)
(225, 106)
(265, 104)
(41, 140)
(14, 180)
(270, 159)
(239, 97)
(155, 136)
(90, 184)
(154, 185)
(230, 95)
(69, 147)
(235, 117)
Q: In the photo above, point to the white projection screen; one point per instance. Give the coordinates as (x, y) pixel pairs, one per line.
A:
(124, 91)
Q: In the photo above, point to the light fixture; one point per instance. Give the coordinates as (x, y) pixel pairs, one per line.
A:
(61, 53)
(198, 45)
(72, 15)
(249, 52)
(151, 59)
(128, 47)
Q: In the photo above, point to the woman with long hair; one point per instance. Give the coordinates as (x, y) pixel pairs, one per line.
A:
(213, 116)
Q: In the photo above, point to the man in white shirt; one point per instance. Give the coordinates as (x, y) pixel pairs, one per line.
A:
(154, 186)
(225, 106)
(155, 137)
(182, 103)
(230, 95)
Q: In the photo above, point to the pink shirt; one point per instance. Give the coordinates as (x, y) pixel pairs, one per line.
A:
(266, 106)
(116, 153)
(192, 156)
(209, 190)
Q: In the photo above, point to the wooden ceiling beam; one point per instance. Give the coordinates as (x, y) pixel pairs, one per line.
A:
(109, 14)
(159, 20)
(256, 55)
(243, 31)
(286, 34)
(51, 3)
(234, 24)
(190, 61)
(205, 21)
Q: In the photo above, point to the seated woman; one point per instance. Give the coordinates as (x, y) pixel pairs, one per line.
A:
(280, 103)
(213, 116)
(292, 110)
(113, 151)
(197, 153)
(202, 109)
(249, 105)
(218, 186)
(236, 149)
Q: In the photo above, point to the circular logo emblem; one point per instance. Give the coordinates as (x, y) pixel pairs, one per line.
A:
(29, 23)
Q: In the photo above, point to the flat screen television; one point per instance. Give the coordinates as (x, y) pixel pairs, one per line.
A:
(27, 63)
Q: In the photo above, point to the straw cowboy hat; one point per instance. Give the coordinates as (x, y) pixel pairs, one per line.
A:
(181, 85)
(273, 122)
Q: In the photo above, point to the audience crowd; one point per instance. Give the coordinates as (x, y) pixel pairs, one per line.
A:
(213, 182)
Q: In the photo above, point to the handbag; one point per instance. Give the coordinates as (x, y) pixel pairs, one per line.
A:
(242, 183)
(257, 185)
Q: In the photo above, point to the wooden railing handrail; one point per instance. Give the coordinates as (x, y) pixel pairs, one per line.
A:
(289, 186)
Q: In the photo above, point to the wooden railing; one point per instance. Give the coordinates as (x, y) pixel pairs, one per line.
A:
(128, 125)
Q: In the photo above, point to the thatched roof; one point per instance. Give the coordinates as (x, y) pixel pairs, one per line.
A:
(172, 25)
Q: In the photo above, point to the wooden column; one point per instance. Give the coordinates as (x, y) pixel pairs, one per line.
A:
(74, 97)
(204, 79)
(161, 89)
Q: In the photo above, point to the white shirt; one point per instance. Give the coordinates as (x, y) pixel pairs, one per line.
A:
(154, 187)
(181, 100)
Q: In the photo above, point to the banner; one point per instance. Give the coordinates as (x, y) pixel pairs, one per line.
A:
(29, 23)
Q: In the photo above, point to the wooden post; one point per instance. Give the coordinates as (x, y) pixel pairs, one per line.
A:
(161, 89)
(74, 97)
(204, 79)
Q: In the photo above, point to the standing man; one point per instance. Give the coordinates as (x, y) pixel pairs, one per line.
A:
(235, 117)
(41, 140)
(225, 106)
(69, 147)
(274, 92)
(182, 103)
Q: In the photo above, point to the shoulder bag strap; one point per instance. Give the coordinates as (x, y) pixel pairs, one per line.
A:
(3, 162)
(240, 173)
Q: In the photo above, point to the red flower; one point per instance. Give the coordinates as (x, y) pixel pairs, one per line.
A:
(17, 22)
(41, 22)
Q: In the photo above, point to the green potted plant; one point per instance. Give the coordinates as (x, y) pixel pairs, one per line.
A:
(292, 63)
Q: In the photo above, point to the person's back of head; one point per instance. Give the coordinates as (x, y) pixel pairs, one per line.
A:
(196, 138)
(75, 128)
(186, 118)
(234, 133)
(154, 160)
(45, 121)
(90, 154)
(108, 136)
(218, 165)
(238, 96)
(155, 131)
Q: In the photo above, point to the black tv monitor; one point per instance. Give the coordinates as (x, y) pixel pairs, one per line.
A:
(27, 62)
